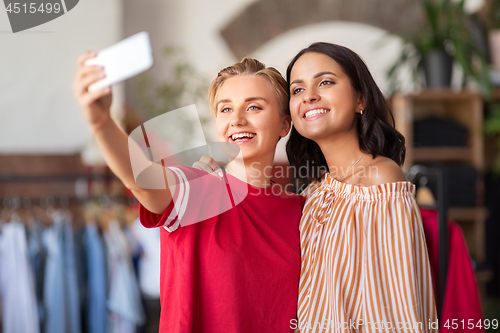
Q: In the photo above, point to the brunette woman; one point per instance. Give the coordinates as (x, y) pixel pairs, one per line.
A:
(365, 266)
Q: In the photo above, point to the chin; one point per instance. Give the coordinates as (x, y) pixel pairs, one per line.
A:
(245, 155)
(313, 133)
(254, 156)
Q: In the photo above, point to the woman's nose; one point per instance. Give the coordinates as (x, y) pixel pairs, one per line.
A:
(238, 118)
(310, 95)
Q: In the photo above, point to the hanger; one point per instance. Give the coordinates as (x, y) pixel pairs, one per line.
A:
(25, 213)
(15, 203)
(65, 211)
(6, 211)
(424, 196)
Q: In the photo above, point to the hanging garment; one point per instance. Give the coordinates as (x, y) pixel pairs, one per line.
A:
(38, 257)
(124, 301)
(96, 277)
(17, 289)
(461, 298)
(136, 250)
(1, 283)
(149, 263)
(80, 257)
(61, 286)
(148, 240)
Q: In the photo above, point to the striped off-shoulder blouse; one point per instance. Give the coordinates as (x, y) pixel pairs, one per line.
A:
(365, 266)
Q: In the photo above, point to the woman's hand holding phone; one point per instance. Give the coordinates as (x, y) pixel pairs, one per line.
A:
(95, 105)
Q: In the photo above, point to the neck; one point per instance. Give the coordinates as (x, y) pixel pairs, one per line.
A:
(254, 172)
(341, 153)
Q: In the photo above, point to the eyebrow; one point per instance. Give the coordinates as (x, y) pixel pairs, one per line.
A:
(315, 77)
(249, 99)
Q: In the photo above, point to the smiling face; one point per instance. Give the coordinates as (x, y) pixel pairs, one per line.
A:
(248, 115)
(323, 103)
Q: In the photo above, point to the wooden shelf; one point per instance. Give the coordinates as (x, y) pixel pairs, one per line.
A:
(445, 94)
(496, 92)
(467, 213)
(484, 276)
(464, 107)
(472, 220)
(442, 154)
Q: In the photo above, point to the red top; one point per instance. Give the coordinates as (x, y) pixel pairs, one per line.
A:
(461, 307)
(235, 272)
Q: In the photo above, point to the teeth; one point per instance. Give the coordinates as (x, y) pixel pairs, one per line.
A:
(242, 135)
(315, 112)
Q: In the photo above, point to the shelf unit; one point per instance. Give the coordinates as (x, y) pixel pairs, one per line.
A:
(466, 108)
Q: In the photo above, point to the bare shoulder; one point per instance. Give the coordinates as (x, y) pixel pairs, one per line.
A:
(383, 170)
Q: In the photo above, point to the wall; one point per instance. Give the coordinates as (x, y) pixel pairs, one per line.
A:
(39, 114)
(196, 25)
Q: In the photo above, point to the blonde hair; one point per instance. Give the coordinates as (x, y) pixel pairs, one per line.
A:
(252, 67)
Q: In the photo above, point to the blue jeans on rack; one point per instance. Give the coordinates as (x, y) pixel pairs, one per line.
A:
(61, 286)
(96, 275)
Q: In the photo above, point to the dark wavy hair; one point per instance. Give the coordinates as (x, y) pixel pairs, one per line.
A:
(376, 131)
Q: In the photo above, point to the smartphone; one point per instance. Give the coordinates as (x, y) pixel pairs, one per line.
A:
(123, 60)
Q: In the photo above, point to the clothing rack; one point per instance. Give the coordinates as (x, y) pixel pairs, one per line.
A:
(69, 264)
(84, 179)
(442, 208)
(72, 198)
(62, 201)
(55, 177)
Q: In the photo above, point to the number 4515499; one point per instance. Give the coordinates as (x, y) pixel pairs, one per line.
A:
(32, 8)
(463, 324)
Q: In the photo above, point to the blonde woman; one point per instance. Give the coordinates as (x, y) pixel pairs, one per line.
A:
(237, 271)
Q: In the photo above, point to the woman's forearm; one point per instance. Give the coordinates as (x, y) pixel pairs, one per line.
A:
(114, 146)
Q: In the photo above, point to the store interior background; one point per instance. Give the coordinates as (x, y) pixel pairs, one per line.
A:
(48, 159)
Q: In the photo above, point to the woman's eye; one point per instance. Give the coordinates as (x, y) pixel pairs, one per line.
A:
(253, 108)
(326, 82)
(296, 91)
(225, 110)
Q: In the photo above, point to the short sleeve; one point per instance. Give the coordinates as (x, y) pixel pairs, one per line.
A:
(198, 196)
(170, 217)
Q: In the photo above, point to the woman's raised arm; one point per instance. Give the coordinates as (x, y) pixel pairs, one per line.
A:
(95, 107)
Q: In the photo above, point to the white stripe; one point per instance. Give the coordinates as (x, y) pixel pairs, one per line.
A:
(185, 199)
(180, 201)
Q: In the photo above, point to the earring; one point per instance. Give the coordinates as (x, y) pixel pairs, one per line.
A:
(361, 111)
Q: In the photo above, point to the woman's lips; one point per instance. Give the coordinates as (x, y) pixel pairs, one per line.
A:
(243, 140)
(315, 113)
